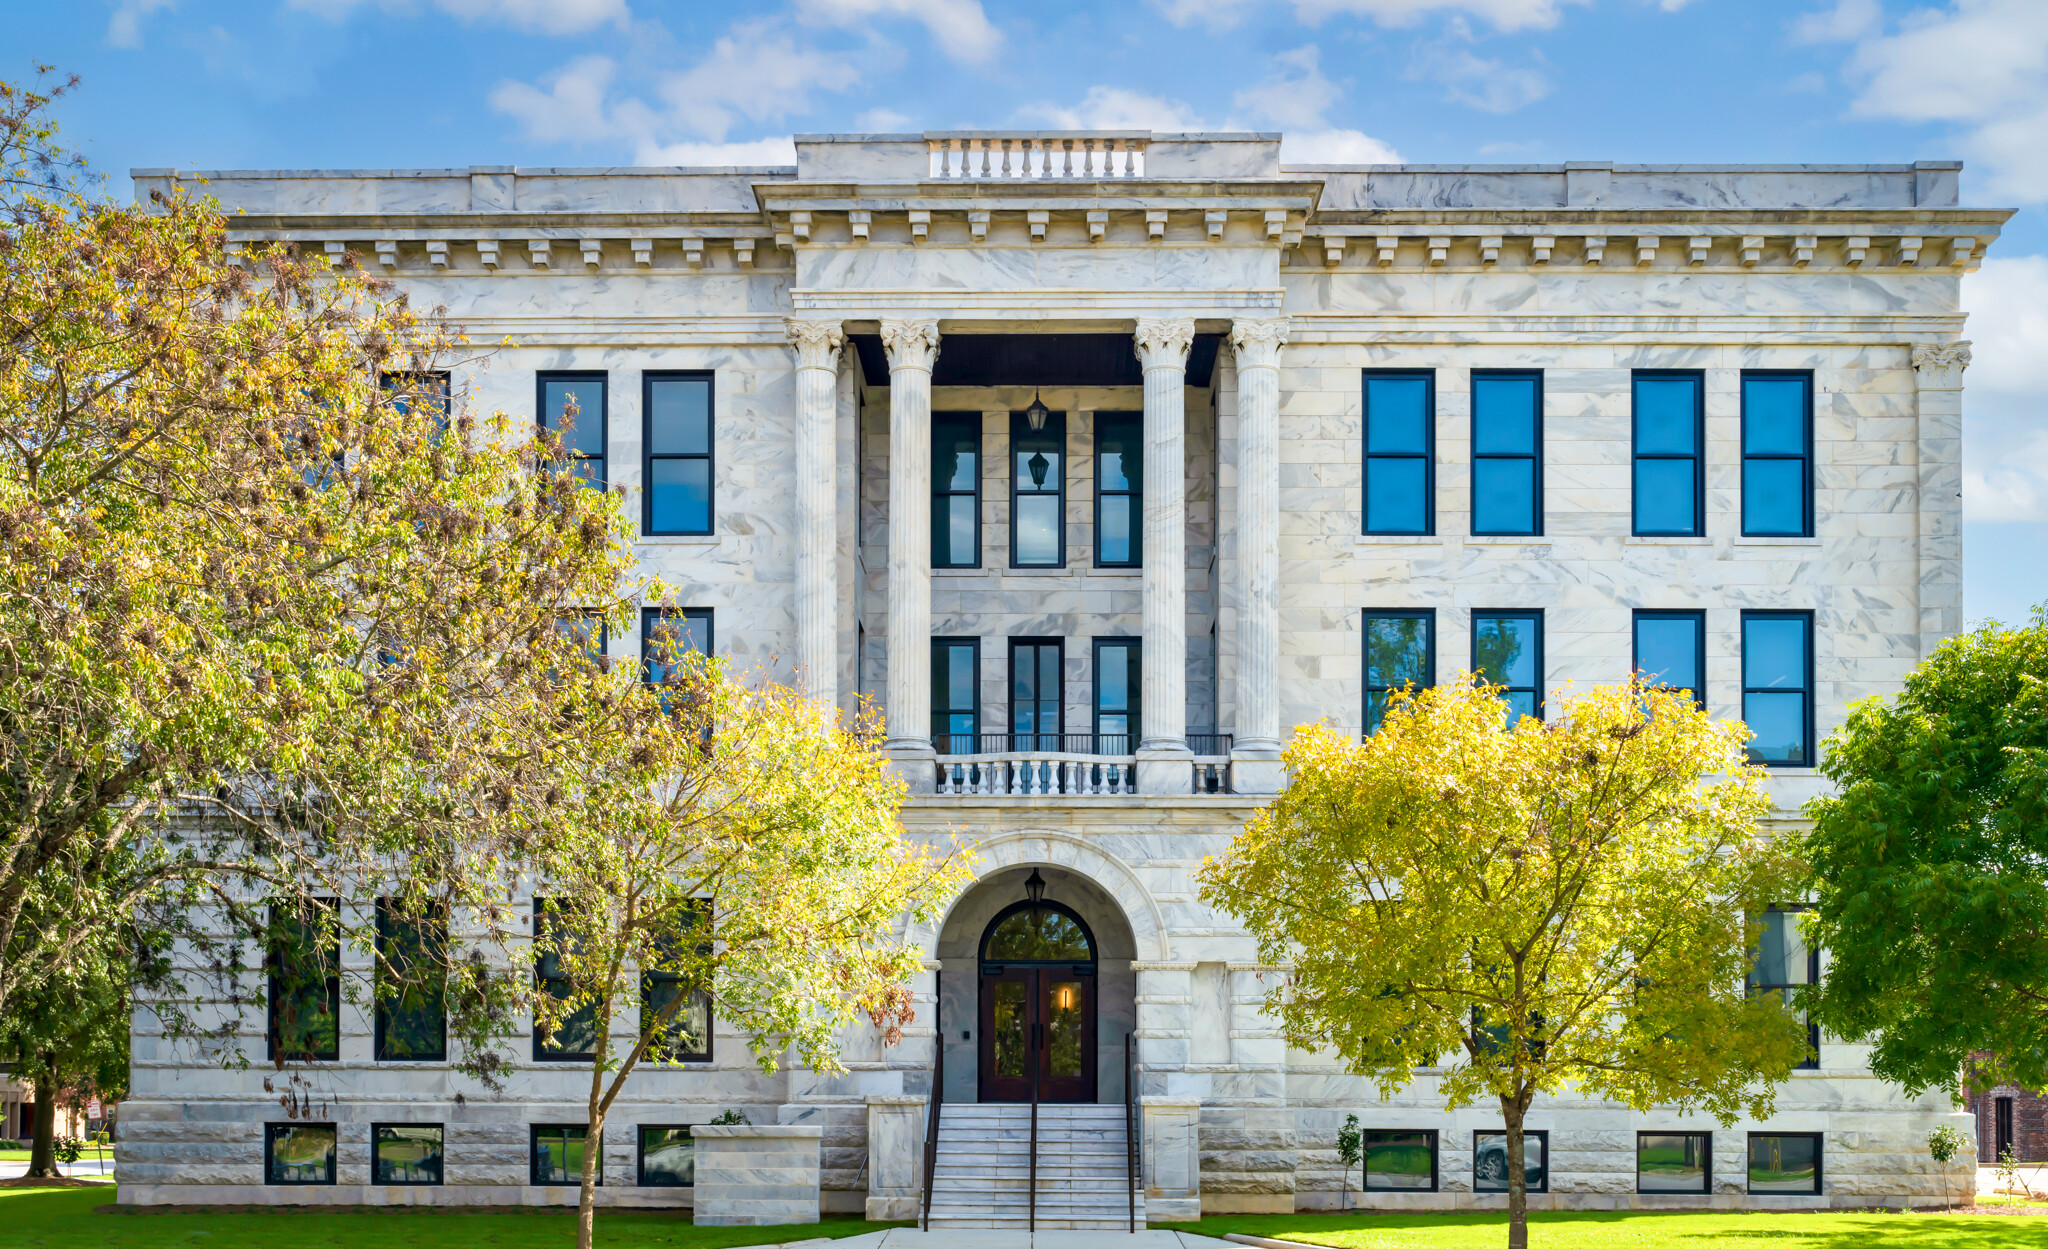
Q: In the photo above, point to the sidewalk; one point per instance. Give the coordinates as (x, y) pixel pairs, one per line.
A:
(86, 1168)
(982, 1238)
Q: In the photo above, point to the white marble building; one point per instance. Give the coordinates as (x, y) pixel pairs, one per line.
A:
(1724, 396)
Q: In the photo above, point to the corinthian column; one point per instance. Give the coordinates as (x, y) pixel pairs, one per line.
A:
(1163, 759)
(1938, 375)
(912, 347)
(1255, 753)
(817, 344)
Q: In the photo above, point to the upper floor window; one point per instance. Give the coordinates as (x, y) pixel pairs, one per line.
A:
(1507, 453)
(956, 489)
(1400, 653)
(666, 989)
(956, 695)
(677, 411)
(303, 961)
(1777, 455)
(667, 634)
(430, 390)
(1507, 650)
(1669, 434)
(1400, 460)
(1671, 650)
(1037, 717)
(1118, 682)
(412, 1021)
(1777, 686)
(1119, 489)
(572, 405)
(573, 1034)
(1038, 492)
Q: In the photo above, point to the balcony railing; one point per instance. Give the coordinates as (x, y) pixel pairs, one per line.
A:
(1023, 156)
(1065, 764)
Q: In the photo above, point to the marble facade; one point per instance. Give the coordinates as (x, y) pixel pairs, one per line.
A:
(778, 281)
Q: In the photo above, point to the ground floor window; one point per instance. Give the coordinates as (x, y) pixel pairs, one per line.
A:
(1674, 1162)
(298, 1153)
(1784, 1162)
(1490, 1162)
(558, 1154)
(1397, 1160)
(668, 1157)
(405, 1153)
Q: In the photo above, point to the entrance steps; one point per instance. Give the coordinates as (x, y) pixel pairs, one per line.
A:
(983, 1175)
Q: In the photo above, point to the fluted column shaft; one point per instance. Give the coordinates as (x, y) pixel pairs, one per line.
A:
(1256, 750)
(912, 347)
(1938, 377)
(1163, 351)
(818, 345)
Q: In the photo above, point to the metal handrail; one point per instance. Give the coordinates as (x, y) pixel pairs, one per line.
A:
(1130, 1133)
(931, 1125)
(1031, 1192)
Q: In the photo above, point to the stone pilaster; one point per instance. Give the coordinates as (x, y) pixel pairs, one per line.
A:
(818, 345)
(1164, 764)
(1938, 375)
(913, 346)
(895, 1157)
(1255, 754)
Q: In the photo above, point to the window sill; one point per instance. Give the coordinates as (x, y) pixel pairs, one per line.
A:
(1038, 572)
(1650, 540)
(959, 572)
(1777, 542)
(683, 541)
(1095, 571)
(1399, 539)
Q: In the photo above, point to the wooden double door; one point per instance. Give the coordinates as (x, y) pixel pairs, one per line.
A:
(1037, 1020)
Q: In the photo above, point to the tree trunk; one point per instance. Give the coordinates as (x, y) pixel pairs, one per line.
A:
(1511, 1110)
(593, 1136)
(42, 1157)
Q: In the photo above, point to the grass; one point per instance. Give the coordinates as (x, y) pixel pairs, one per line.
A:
(45, 1218)
(1633, 1230)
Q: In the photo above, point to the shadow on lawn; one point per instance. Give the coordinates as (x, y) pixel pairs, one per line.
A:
(1632, 1228)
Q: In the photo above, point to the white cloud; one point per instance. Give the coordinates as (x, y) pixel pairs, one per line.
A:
(1501, 14)
(1335, 147)
(958, 26)
(2005, 403)
(1116, 108)
(1297, 97)
(1849, 20)
(780, 151)
(757, 72)
(124, 28)
(881, 121)
(571, 109)
(550, 17)
(1489, 85)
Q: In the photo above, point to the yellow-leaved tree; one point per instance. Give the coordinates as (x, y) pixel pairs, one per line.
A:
(1524, 907)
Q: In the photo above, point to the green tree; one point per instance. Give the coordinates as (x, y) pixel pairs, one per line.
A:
(1943, 1144)
(1930, 867)
(1526, 908)
(67, 1036)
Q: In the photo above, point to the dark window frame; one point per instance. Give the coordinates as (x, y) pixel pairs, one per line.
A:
(1427, 455)
(599, 481)
(533, 1137)
(653, 617)
(648, 979)
(402, 380)
(1534, 457)
(1010, 692)
(974, 738)
(1435, 1160)
(442, 1171)
(1812, 1062)
(1542, 1134)
(542, 1049)
(270, 1134)
(272, 962)
(1698, 456)
(1019, 429)
(380, 1052)
(1135, 688)
(1820, 1158)
(1706, 1163)
(1806, 758)
(973, 421)
(1542, 670)
(648, 378)
(640, 1131)
(1697, 616)
(1136, 492)
(1805, 457)
(1425, 614)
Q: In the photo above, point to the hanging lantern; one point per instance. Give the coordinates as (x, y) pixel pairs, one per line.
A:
(1035, 415)
(1034, 888)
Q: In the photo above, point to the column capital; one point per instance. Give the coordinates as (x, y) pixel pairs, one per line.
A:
(911, 344)
(817, 343)
(1163, 342)
(1941, 365)
(1257, 343)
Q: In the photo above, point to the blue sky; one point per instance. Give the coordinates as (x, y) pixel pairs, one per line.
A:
(410, 83)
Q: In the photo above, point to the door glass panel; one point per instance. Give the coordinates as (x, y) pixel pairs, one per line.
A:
(1039, 935)
(1009, 1028)
(1063, 1029)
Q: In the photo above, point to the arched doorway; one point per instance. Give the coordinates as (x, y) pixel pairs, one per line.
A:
(1038, 991)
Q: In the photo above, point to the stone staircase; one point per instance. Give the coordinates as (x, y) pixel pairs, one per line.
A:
(984, 1167)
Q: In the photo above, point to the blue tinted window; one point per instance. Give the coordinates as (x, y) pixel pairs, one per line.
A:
(1777, 459)
(1670, 648)
(956, 489)
(956, 695)
(1117, 683)
(666, 635)
(1038, 492)
(573, 406)
(1400, 653)
(1777, 686)
(1668, 482)
(1507, 456)
(1400, 432)
(1035, 690)
(1507, 650)
(1119, 489)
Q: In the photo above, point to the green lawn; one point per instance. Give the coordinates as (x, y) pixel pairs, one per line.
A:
(1573, 1229)
(43, 1218)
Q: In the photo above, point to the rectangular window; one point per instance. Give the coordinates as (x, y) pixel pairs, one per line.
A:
(572, 406)
(676, 409)
(1674, 1162)
(1490, 1161)
(1507, 453)
(686, 1037)
(430, 390)
(1784, 1162)
(1785, 964)
(405, 1153)
(412, 1020)
(1118, 683)
(1777, 455)
(956, 489)
(668, 1157)
(1671, 650)
(1038, 492)
(298, 1153)
(667, 634)
(1036, 715)
(1400, 459)
(1669, 433)
(1507, 650)
(1399, 1161)
(1400, 653)
(956, 695)
(586, 632)
(573, 1037)
(2001, 1127)
(1777, 686)
(1119, 489)
(558, 1154)
(303, 961)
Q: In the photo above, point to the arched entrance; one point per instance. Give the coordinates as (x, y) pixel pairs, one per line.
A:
(1038, 1004)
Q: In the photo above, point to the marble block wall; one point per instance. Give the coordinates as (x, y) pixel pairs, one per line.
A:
(757, 1176)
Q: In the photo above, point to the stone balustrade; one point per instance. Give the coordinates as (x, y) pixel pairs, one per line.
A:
(1038, 773)
(1020, 156)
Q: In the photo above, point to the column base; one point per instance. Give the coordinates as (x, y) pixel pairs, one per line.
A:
(1166, 770)
(1256, 770)
(914, 760)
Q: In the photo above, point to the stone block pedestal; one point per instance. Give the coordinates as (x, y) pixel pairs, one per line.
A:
(1173, 1177)
(895, 1157)
(757, 1176)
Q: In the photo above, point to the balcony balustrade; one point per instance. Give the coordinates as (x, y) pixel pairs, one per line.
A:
(1021, 156)
(1065, 764)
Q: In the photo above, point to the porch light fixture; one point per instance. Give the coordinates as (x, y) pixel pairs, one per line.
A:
(1035, 415)
(1034, 887)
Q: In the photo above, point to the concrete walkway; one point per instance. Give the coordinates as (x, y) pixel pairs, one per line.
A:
(86, 1168)
(1144, 1238)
